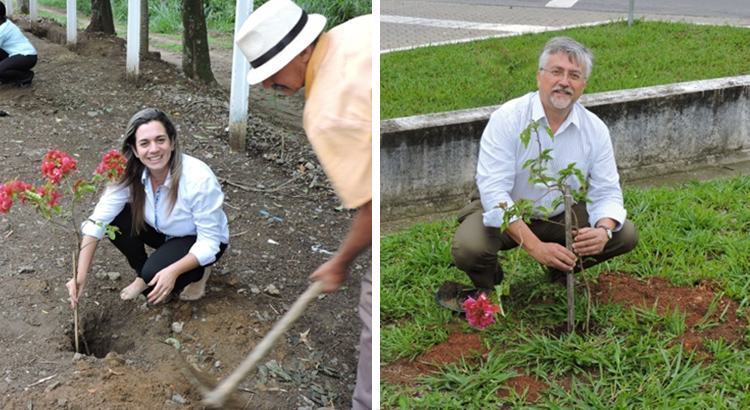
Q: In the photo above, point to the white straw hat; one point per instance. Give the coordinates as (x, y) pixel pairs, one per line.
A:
(274, 34)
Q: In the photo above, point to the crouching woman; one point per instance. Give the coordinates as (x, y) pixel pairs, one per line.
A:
(167, 200)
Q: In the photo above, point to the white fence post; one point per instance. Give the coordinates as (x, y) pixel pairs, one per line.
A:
(33, 10)
(72, 23)
(134, 38)
(240, 91)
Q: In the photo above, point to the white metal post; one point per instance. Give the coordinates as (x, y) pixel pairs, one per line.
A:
(33, 9)
(134, 38)
(631, 6)
(9, 8)
(240, 91)
(72, 23)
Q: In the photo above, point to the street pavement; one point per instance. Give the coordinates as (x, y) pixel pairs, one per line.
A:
(406, 24)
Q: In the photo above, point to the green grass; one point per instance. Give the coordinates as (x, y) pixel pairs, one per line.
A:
(165, 15)
(490, 72)
(691, 232)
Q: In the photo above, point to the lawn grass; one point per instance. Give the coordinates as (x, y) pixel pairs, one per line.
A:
(691, 232)
(490, 72)
(166, 17)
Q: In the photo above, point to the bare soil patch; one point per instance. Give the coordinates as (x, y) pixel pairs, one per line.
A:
(284, 219)
(459, 345)
(708, 314)
(523, 384)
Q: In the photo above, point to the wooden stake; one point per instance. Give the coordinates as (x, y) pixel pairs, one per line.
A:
(75, 310)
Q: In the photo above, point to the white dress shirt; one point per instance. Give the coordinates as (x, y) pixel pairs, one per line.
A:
(582, 138)
(198, 210)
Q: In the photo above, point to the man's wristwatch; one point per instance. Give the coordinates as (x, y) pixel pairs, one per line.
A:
(607, 230)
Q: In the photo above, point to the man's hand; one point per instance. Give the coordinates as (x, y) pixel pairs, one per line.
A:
(74, 291)
(163, 284)
(554, 255)
(590, 241)
(332, 273)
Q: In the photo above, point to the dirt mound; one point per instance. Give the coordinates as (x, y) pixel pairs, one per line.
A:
(708, 315)
(459, 345)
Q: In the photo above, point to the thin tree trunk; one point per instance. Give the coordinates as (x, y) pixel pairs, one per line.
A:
(101, 17)
(196, 61)
(569, 244)
(144, 28)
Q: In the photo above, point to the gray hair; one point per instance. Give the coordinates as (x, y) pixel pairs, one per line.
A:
(575, 51)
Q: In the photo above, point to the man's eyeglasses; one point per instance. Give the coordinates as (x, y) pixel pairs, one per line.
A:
(559, 74)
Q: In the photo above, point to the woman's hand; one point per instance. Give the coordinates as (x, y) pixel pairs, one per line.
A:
(74, 292)
(163, 284)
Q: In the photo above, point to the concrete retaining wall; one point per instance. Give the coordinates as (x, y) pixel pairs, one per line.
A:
(428, 162)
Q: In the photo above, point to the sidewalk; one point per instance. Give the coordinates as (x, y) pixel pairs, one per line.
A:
(419, 23)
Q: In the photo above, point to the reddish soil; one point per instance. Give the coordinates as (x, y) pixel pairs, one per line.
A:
(404, 371)
(610, 288)
(694, 302)
(529, 385)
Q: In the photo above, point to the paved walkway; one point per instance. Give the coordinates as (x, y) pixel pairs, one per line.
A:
(419, 23)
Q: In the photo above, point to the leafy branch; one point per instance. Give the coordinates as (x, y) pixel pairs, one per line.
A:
(565, 194)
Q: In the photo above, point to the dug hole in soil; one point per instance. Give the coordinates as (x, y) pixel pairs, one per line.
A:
(709, 315)
(284, 222)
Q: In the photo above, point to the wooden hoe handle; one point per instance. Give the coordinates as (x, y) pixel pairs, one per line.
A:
(217, 396)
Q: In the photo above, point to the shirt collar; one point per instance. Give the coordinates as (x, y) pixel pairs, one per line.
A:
(537, 113)
(145, 180)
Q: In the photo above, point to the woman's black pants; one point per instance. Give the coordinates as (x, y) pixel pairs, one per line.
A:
(167, 251)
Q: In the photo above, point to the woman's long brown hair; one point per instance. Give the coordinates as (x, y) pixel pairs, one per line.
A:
(134, 167)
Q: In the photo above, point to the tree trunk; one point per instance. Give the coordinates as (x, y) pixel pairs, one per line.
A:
(101, 17)
(144, 28)
(196, 62)
(568, 198)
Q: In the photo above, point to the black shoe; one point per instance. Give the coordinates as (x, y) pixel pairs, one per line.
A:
(26, 82)
(452, 295)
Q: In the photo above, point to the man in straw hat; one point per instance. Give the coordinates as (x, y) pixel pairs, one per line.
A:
(287, 51)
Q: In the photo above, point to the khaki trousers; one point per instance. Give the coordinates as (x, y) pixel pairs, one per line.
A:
(475, 246)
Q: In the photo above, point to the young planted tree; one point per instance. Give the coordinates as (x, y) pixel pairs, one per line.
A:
(556, 185)
(101, 17)
(196, 61)
(58, 188)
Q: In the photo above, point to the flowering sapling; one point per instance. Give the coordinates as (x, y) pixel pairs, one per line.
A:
(47, 197)
(480, 312)
(562, 186)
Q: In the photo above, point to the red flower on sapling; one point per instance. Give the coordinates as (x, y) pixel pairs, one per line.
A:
(10, 191)
(112, 165)
(50, 194)
(480, 312)
(5, 200)
(57, 164)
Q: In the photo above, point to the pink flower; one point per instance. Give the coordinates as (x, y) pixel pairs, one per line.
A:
(5, 200)
(56, 164)
(50, 194)
(112, 165)
(480, 312)
(10, 191)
